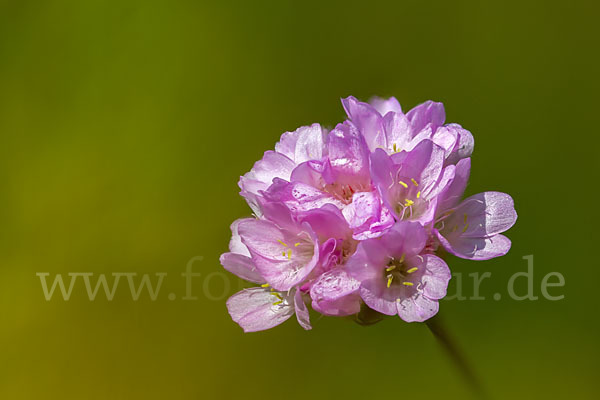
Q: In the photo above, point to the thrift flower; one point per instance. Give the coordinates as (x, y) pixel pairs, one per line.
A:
(385, 126)
(396, 278)
(472, 228)
(351, 220)
(283, 250)
(305, 143)
(343, 179)
(410, 182)
(258, 308)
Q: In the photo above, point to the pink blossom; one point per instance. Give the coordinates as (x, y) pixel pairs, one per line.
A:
(352, 218)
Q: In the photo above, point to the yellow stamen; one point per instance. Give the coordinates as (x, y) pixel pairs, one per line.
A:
(283, 253)
(276, 294)
(465, 228)
(390, 279)
(407, 283)
(388, 269)
(289, 254)
(410, 271)
(296, 244)
(396, 148)
(403, 184)
(278, 302)
(402, 258)
(418, 194)
(414, 182)
(282, 243)
(264, 285)
(408, 202)
(465, 219)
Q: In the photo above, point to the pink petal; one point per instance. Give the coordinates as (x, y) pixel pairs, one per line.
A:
(417, 308)
(241, 266)
(435, 277)
(301, 311)
(336, 293)
(384, 106)
(256, 309)
(476, 248)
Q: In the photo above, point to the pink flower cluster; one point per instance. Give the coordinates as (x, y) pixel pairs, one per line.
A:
(351, 219)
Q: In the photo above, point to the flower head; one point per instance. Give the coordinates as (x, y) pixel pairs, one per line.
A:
(351, 219)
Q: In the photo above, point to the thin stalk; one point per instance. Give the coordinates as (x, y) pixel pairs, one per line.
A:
(436, 327)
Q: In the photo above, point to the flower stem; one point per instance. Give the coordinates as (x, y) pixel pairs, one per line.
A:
(436, 327)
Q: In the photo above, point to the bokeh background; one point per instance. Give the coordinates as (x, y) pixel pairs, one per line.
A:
(125, 125)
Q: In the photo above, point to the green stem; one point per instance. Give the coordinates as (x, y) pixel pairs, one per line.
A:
(436, 327)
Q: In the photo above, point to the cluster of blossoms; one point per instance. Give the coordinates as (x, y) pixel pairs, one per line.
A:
(351, 219)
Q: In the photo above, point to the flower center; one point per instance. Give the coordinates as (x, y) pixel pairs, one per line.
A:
(344, 248)
(450, 222)
(277, 296)
(344, 192)
(288, 249)
(398, 273)
(297, 248)
(409, 202)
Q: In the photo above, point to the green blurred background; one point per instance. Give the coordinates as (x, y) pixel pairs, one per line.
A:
(125, 125)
